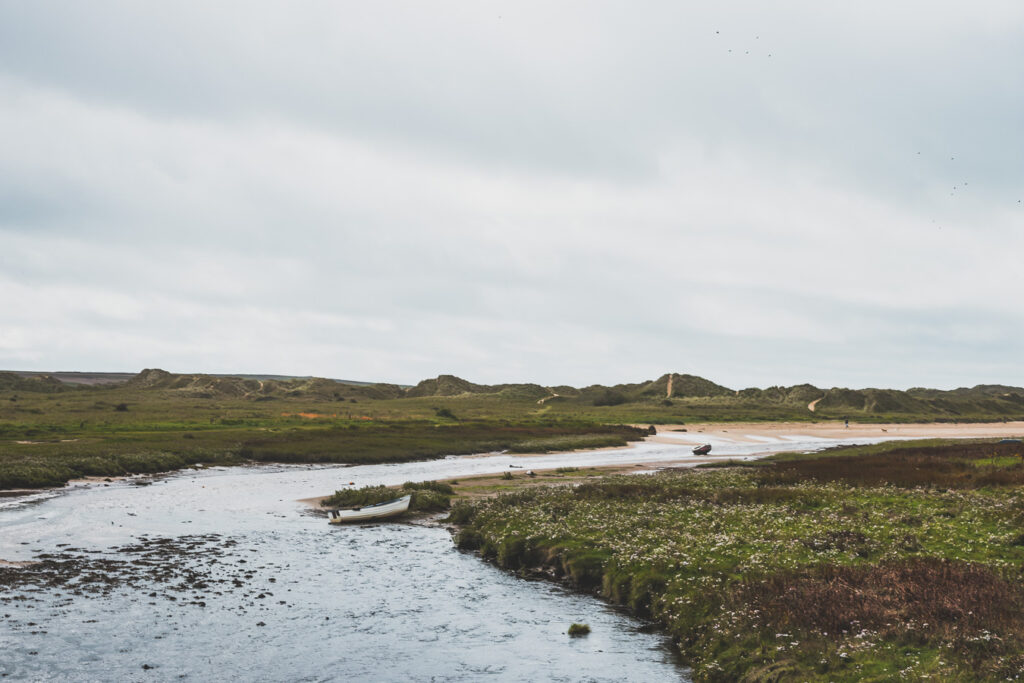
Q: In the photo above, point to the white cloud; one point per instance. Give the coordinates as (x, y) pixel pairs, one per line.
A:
(567, 194)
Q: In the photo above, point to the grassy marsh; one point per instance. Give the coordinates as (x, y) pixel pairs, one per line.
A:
(800, 569)
(50, 437)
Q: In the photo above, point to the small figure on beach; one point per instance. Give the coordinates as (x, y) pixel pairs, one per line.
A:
(847, 421)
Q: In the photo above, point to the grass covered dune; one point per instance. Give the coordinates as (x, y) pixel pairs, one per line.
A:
(800, 569)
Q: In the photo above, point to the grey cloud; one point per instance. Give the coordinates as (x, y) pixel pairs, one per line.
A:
(570, 193)
(576, 90)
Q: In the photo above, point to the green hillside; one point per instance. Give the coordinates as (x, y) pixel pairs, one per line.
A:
(671, 397)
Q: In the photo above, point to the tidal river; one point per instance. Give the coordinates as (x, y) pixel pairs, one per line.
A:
(221, 574)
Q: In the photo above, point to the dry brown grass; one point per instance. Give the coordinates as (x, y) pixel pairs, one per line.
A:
(912, 600)
(954, 466)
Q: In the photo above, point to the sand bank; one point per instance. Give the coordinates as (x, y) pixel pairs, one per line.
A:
(755, 432)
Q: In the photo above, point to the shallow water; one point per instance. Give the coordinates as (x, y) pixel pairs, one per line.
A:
(221, 574)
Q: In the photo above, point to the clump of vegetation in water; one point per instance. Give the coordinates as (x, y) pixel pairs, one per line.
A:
(367, 495)
(807, 568)
(427, 496)
(579, 630)
(436, 486)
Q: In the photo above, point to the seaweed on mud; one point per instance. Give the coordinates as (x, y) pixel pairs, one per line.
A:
(193, 565)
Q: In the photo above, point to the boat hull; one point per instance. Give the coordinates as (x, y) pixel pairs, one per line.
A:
(370, 513)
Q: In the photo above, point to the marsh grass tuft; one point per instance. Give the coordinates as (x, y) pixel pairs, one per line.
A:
(436, 486)
(427, 496)
(720, 464)
(576, 630)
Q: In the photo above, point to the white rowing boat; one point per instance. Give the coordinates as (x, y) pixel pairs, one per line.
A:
(368, 513)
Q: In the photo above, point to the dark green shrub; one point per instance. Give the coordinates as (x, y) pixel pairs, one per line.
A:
(462, 513)
(512, 553)
(609, 398)
(468, 539)
(586, 568)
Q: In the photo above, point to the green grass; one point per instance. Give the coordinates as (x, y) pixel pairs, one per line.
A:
(996, 462)
(780, 579)
(721, 464)
(161, 434)
(570, 442)
(427, 496)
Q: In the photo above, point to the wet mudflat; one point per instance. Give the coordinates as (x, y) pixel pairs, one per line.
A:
(284, 597)
(367, 603)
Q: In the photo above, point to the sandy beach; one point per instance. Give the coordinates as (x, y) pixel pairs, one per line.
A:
(753, 432)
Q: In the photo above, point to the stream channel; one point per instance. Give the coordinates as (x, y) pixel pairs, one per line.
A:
(221, 574)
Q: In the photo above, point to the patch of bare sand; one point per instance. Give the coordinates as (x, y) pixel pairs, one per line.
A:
(12, 563)
(756, 432)
(95, 480)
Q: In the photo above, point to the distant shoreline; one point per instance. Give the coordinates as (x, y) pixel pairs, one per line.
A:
(740, 432)
(743, 431)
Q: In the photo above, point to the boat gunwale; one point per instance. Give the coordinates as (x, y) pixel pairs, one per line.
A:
(375, 505)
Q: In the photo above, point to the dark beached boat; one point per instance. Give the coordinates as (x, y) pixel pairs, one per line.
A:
(702, 450)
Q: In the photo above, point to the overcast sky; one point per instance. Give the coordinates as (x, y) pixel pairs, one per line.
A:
(574, 192)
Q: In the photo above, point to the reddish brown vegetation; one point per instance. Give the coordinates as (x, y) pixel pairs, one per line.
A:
(953, 466)
(930, 595)
(916, 601)
(617, 490)
(919, 601)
